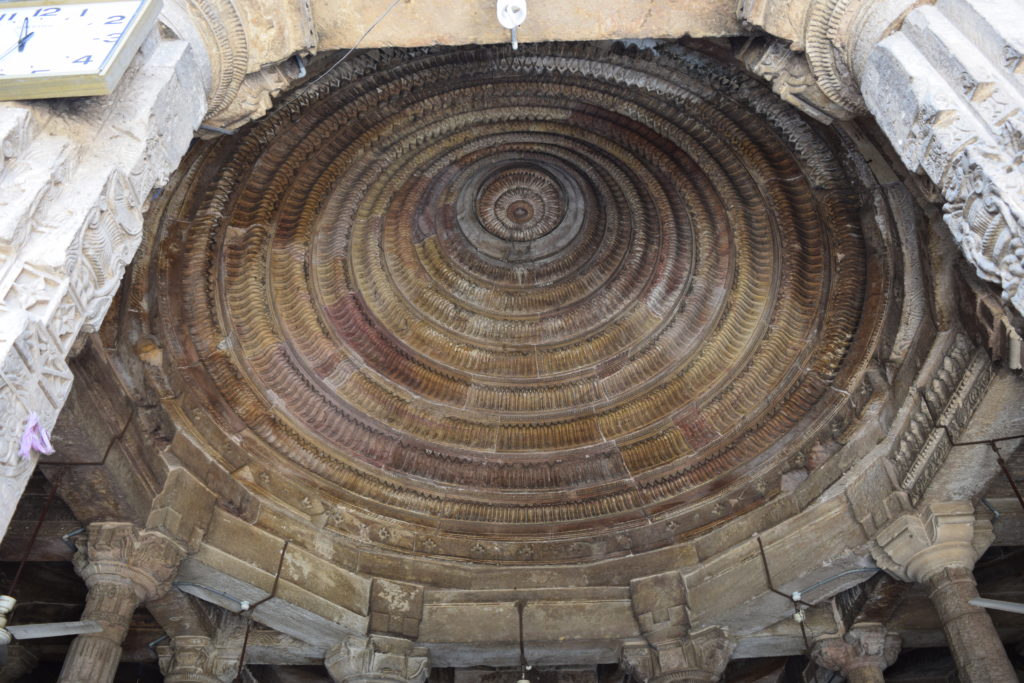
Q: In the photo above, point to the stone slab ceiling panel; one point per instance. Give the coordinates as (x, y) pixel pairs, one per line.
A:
(524, 308)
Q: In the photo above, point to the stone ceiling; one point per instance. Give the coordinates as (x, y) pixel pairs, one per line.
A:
(536, 307)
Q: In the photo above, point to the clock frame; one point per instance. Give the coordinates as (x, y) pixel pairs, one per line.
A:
(100, 77)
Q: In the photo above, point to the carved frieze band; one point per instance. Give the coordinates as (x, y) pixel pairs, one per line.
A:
(945, 89)
(943, 410)
(76, 186)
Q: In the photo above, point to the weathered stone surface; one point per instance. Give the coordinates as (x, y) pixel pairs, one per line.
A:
(945, 90)
(860, 655)
(377, 658)
(440, 23)
(83, 171)
(122, 566)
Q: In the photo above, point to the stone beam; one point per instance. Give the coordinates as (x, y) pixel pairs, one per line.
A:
(435, 22)
(75, 178)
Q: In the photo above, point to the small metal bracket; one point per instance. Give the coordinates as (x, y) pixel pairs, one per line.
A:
(511, 14)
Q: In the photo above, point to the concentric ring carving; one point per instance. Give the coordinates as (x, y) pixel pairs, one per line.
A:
(525, 296)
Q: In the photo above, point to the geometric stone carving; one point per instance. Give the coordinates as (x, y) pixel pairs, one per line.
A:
(452, 449)
(945, 89)
(377, 658)
(859, 655)
(73, 187)
(659, 604)
(396, 608)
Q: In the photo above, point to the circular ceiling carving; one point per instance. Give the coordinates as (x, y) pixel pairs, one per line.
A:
(522, 298)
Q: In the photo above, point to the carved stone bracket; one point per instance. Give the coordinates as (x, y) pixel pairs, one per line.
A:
(916, 546)
(790, 76)
(701, 656)
(659, 605)
(863, 651)
(377, 658)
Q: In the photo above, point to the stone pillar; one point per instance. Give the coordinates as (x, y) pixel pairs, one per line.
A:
(861, 655)
(938, 548)
(361, 659)
(122, 566)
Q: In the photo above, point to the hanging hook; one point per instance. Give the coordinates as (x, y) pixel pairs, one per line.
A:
(512, 13)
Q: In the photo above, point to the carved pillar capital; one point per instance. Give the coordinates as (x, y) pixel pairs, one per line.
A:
(863, 653)
(121, 553)
(377, 658)
(915, 547)
(701, 656)
(123, 566)
(196, 659)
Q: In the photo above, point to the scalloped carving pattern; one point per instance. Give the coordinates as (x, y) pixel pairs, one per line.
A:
(518, 295)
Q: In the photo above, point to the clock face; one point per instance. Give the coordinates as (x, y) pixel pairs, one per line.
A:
(62, 38)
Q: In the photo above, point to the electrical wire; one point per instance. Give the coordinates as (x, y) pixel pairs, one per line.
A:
(352, 49)
(251, 610)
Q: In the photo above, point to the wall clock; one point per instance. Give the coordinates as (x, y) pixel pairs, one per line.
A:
(69, 48)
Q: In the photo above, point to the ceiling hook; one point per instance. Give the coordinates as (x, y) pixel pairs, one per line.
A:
(512, 13)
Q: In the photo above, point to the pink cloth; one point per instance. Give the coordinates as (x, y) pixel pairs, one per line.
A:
(35, 438)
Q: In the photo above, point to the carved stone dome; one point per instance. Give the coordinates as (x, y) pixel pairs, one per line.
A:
(536, 307)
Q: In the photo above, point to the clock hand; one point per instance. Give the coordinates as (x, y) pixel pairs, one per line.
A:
(25, 35)
(19, 45)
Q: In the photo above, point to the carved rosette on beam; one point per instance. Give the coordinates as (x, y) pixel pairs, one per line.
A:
(861, 655)
(938, 548)
(362, 659)
(122, 566)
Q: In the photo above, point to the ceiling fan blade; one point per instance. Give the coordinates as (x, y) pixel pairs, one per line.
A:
(61, 628)
(3, 656)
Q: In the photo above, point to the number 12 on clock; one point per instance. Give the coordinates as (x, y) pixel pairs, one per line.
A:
(68, 48)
